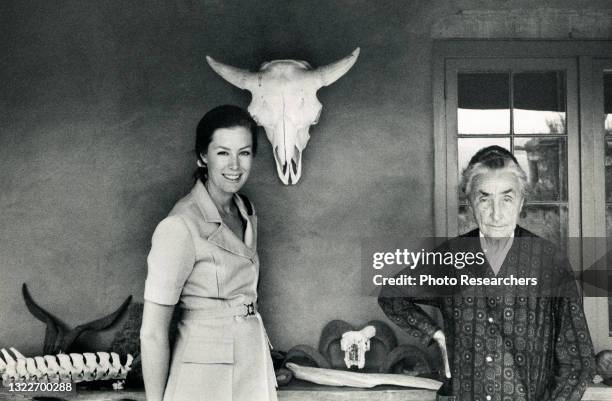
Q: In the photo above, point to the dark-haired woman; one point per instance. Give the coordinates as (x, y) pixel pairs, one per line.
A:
(203, 258)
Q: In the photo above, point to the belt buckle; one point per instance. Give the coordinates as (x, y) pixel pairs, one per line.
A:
(250, 309)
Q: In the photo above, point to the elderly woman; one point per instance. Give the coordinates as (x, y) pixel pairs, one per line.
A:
(204, 259)
(505, 342)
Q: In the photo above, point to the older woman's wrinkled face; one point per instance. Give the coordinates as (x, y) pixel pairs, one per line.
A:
(496, 202)
(229, 158)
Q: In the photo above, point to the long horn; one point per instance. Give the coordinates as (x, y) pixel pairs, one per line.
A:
(300, 352)
(96, 325)
(330, 73)
(54, 331)
(244, 79)
(332, 332)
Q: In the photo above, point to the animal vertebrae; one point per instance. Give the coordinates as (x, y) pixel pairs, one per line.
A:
(63, 367)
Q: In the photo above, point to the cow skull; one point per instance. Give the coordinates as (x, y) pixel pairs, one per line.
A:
(355, 344)
(284, 101)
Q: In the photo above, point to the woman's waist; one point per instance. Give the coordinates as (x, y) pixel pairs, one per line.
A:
(199, 302)
(222, 310)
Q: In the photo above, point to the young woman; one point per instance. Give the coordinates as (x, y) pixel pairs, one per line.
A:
(204, 259)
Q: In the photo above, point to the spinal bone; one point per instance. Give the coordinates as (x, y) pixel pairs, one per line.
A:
(62, 367)
(355, 344)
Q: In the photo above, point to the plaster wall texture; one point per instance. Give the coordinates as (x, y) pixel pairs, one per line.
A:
(97, 117)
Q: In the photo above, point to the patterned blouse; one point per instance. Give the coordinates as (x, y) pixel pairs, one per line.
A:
(506, 344)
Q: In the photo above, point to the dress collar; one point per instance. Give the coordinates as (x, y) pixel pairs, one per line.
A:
(207, 206)
(205, 203)
(223, 236)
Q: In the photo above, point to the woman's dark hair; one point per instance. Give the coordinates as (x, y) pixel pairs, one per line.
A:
(226, 116)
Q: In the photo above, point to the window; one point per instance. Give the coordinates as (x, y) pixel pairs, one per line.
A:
(550, 104)
(525, 112)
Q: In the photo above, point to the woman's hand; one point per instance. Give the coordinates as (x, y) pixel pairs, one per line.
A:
(155, 348)
(440, 339)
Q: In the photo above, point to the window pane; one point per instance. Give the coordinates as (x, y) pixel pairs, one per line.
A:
(539, 103)
(544, 161)
(483, 103)
(467, 147)
(547, 221)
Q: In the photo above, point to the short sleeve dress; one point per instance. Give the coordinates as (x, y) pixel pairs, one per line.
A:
(197, 262)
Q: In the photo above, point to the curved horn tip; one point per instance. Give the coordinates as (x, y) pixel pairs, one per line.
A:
(210, 60)
(330, 73)
(242, 78)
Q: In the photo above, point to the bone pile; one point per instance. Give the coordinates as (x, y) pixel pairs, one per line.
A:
(62, 368)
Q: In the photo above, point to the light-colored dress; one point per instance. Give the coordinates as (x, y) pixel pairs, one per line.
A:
(199, 263)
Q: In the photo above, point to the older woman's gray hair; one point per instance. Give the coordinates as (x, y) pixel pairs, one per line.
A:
(492, 158)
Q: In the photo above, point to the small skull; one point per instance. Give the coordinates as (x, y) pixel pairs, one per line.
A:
(355, 344)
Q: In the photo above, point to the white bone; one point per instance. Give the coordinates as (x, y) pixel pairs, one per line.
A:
(11, 371)
(284, 101)
(42, 367)
(7, 357)
(124, 369)
(128, 363)
(104, 364)
(92, 366)
(77, 360)
(335, 377)
(355, 344)
(74, 364)
(90, 360)
(32, 369)
(114, 367)
(17, 354)
(53, 369)
(73, 367)
(66, 365)
(40, 364)
(79, 367)
(116, 361)
(21, 368)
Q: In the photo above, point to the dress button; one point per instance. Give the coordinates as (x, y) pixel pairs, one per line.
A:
(489, 359)
(490, 320)
(488, 397)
